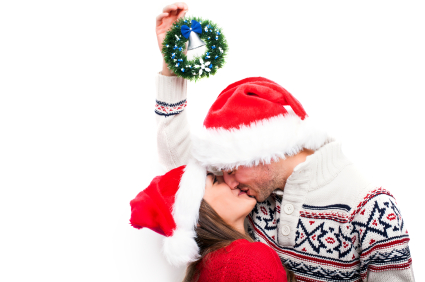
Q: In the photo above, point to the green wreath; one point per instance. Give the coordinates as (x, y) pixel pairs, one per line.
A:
(202, 66)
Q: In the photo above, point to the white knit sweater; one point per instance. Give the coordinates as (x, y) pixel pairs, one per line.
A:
(329, 224)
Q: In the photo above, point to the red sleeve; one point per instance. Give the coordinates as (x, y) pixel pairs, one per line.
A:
(253, 262)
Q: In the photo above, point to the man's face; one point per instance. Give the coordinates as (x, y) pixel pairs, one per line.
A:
(258, 181)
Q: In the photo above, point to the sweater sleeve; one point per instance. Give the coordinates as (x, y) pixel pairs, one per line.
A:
(173, 135)
(381, 239)
(391, 276)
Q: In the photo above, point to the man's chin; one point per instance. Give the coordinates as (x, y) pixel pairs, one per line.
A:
(260, 199)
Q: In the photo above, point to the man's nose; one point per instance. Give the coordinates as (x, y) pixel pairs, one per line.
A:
(231, 181)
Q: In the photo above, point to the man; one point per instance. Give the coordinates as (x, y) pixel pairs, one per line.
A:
(325, 220)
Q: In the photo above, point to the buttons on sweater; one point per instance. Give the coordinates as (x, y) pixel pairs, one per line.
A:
(288, 208)
(286, 230)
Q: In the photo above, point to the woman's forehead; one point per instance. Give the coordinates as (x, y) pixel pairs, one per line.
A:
(215, 172)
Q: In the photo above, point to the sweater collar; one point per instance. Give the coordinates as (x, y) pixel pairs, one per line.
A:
(321, 167)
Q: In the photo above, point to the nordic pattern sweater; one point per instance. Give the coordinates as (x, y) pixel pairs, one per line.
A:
(329, 224)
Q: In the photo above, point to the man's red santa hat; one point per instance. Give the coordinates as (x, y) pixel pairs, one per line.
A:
(170, 206)
(254, 120)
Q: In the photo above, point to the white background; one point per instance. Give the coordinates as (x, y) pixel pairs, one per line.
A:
(77, 119)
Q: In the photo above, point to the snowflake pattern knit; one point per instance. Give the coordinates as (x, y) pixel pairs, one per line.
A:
(242, 261)
(332, 245)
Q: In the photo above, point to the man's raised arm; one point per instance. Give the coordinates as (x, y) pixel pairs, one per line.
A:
(173, 137)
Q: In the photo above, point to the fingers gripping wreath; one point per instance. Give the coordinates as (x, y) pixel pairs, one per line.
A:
(201, 31)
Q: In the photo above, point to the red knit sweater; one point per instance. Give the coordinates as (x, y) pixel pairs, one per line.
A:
(242, 261)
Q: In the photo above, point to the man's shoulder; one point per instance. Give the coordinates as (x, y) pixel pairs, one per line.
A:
(349, 188)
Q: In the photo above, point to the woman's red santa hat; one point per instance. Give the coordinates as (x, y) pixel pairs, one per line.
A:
(254, 120)
(170, 206)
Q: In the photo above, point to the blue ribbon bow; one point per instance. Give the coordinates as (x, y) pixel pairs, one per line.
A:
(196, 27)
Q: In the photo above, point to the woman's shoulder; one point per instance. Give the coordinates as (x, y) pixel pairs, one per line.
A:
(247, 247)
(242, 260)
(255, 253)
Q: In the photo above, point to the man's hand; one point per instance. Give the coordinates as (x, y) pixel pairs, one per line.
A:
(164, 21)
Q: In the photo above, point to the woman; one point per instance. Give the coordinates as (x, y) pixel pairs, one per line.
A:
(225, 252)
(221, 237)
